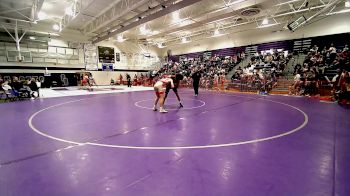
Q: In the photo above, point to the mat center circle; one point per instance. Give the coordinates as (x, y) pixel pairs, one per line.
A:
(172, 104)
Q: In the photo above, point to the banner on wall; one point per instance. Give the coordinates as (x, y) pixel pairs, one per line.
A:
(106, 54)
(207, 55)
(90, 57)
(183, 58)
(107, 67)
(117, 57)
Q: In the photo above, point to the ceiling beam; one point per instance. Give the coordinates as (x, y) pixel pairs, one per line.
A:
(140, 15)
(211, 17)
(16, 19)
(14, 10)
(17, 11)
(165, 11)
(231, 26)
(199, 23)
(118, 10)
(36, 7)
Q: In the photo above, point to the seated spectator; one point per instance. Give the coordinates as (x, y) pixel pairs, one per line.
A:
(344, 97)
(314, 49)
(5, 86)
(297, 68)
(16, 84)
(34, 88)
(20, 88)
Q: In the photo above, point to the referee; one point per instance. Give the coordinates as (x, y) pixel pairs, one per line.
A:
(196, 76)
(176, 79)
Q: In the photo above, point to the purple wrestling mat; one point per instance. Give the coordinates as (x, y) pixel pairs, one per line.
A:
(218, 144)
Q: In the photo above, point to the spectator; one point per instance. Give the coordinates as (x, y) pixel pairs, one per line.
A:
(34, 88)
(128, 78)
(5, 86)
(332, 52)
(16, 85)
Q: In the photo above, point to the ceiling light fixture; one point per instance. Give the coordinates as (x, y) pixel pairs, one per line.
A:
(235, 2)
(268, 25)
(69, 11)
(217, 33)
(32, 37)
(185, 39)
(265, 21)
(161, 45)
(56, 27)
(176, 16)
(347, 3)
(120, 38)
(288, 2)
(42, 16)
(144, 30)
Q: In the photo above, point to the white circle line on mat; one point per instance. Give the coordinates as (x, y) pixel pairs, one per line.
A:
(30, 123)
(137, 104)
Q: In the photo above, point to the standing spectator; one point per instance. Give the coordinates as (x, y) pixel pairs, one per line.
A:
(91, 80)
(222, 80)
(128, 78)
(135, 80)
(196, 76)
(120, 79)
(333, 53)
(85, 80)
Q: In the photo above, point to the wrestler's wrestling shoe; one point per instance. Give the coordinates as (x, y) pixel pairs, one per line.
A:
(180, 105)
(161, 110)
(154, 108)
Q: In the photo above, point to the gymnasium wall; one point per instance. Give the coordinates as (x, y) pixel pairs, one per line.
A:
(251, 35)
(104, 77)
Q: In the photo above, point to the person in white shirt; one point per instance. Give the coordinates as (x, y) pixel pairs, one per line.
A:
(6, 86)
(297, 78)
(296, 85)
(159, 88)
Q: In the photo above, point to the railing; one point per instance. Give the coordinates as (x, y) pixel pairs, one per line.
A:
(251, 86)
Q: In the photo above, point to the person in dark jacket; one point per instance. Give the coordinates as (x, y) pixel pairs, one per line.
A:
(196, 76)
(128, 78)
(16, 84)
(33, 87)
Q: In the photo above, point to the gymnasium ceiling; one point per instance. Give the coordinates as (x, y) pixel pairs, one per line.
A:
(156, 22)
